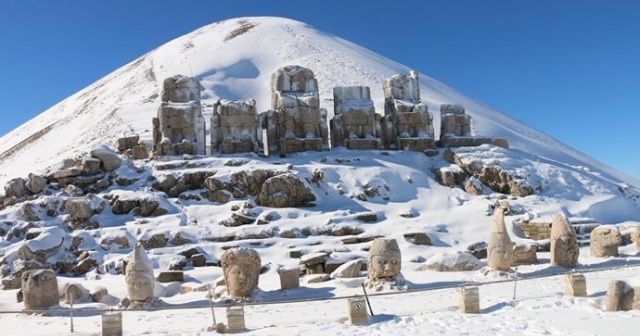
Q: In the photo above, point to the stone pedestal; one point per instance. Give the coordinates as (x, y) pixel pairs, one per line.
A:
(415, 144)
(294, 145)
(357, 311)
(112, 324)
(469, 300)
(289, 277)
(362, 144)
(575, 285)
(235, 319)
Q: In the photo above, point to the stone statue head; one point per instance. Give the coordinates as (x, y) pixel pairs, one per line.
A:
(241, 267)
(384, 259)
(139, 276)
(40, 289)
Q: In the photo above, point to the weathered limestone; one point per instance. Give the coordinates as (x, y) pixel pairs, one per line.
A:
(40, 289)
(604, 241)
(179, 127)
(314, 263)
(296, 122)
(15, 188)
(355, 124)
(139, 277)
(407, 124)
(350, 269)
(621, 296)
(35, 183)
(357, 311)
(575, 285)
(500, 249)
(241, 267)
(564, 243)
(235, 319)
(525, 254)
(469, 300)
(112, 324)
(383, 263)
(289, 277)
(128, 142)
(455, 129)
(285, 190)
(234, 126)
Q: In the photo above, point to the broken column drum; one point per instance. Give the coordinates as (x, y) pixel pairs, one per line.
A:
(179, 127)
(355, 124)
(295, 122)
(234, 126)
(241, 268)
(407, 124)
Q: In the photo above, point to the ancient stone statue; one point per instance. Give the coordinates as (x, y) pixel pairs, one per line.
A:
(407, 124)
(455, 129)
(564, 243)
(234, 126)
(40, 289)
(139, 276)
(179, 127)
(355, 124)
(241, 267)
(296, 122)
(384, 260)
(500, 249)
(604, 241)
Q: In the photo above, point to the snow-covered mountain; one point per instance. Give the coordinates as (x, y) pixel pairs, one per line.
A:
(234, 59)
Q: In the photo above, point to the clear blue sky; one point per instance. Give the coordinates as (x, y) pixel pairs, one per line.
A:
(559, 66)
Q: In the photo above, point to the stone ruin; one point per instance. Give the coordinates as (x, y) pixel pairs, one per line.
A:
(241, 268)
(295, 122)
(455, 129)
(355, 124)
(407, 123)
(384, 264)
(179, 127)
(234, 126)
(564, 243)
(500, 249)
(622, 296)
(40, 289)
(139, 278)
(604, 241)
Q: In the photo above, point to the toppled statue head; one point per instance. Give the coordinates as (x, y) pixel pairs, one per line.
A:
(384, 260)
(241, 267)
(139, 276)
(40, 289)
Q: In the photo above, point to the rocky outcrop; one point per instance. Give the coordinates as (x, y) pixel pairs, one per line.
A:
(285, 190)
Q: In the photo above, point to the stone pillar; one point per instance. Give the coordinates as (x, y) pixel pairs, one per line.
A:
(112, 324)
(575, 285)
(289, 277)
(235, 319)
(469, 300)
(357, 310)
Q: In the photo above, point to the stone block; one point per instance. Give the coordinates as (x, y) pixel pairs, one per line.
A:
(127, 142)
(112, 324)
(575, 285)
(415, 144)
(357, 310)
(235, 319)
(289, 277)
(170, 276)
(469, 300)
(198, 260)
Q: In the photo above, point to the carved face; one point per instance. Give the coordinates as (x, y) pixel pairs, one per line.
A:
(239, 281)
(381, 266)
(139, 286)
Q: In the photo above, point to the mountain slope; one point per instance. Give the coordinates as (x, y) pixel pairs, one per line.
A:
(234, 59)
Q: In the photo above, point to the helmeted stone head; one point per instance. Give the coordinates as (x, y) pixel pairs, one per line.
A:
(139, 276)
(241, 267)
(40, 289)
(384, 259)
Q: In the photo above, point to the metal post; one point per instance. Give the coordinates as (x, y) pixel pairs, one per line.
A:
(213, 315)
(366, 297)
(71, 299)
(515, 284)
